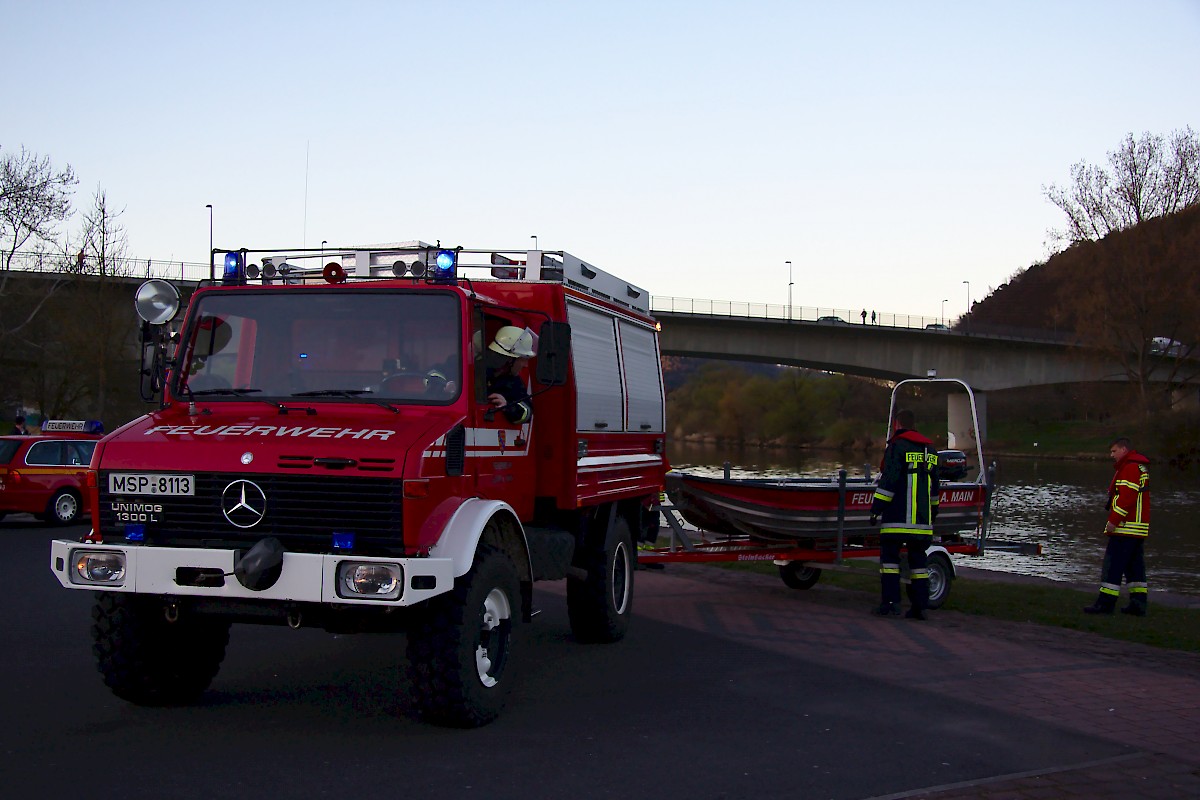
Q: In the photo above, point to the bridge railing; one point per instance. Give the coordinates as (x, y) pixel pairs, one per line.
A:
(848, 316)
(187, 271)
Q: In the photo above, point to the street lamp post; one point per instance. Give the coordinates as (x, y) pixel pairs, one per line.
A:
(968, 326)
(943, 312)
(210, 240)
(789, 266)
(534, 237)
(323, 243)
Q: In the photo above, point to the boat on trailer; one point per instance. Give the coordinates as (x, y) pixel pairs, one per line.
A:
(806, 525)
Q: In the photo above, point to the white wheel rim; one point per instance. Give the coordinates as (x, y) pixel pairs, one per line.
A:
(619, 582)
(937, 583)
(496, 612)
(65, 507)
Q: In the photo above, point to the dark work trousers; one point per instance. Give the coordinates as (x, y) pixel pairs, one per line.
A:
(889, 567)
(1124, 557)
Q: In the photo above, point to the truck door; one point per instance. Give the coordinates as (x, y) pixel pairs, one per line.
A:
(504, 465)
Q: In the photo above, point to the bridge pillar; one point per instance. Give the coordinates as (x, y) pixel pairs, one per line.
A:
(960, 435)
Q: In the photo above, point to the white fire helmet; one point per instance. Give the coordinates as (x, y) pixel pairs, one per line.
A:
(514, 342)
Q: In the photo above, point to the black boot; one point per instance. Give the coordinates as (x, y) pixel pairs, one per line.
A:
(887, 610)
(1136, 607)
(1105, 604)
(915, 613)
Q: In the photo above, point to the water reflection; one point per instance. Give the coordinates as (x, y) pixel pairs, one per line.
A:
(1060, 504)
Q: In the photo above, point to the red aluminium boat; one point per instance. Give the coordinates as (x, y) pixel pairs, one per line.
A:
(807, 525)
(805, 510)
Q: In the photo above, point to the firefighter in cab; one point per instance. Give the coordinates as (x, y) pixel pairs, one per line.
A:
(506, 357)
(905, 504)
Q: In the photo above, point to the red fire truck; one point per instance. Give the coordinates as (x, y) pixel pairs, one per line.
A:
(329, 450)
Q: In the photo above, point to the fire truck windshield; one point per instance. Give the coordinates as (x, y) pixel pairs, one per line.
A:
(330, 346)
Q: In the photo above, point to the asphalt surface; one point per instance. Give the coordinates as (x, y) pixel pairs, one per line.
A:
(728, 686)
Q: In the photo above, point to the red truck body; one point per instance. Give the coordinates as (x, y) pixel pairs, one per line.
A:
(325, 450)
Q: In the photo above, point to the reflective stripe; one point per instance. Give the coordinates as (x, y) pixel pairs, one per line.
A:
(919, 574)
(889, 571)
(1130, 484)
(884, 494)
(1138, 590)
(901, 528)
(1108, 588)
(1134, 585)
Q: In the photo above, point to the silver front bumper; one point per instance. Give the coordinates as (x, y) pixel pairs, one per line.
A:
(305, 577)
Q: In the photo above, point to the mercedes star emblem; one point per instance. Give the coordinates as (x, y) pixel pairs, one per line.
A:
(244, 503)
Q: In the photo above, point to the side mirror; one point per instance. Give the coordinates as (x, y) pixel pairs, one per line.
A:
(554, 353)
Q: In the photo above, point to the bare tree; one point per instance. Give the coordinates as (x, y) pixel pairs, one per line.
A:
(34, 200)
(85, 336)
(1147, 177)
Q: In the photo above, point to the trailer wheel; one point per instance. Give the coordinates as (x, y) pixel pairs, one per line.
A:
(461, 647)
(797, 575)
(147, 660)
(64, 508)
(599, 606)
(941, 573)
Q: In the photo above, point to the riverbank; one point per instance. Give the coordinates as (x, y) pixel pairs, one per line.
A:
(1017, 600)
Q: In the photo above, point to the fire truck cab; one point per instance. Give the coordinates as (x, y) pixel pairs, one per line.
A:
(344, 439)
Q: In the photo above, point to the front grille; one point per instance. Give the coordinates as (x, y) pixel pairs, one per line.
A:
(302, 511)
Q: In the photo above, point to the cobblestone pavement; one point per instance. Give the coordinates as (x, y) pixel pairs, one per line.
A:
(1059, 676)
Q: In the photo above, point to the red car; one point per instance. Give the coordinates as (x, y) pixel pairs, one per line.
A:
(45, 475)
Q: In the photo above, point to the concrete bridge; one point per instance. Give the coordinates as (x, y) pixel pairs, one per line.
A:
(891, 352)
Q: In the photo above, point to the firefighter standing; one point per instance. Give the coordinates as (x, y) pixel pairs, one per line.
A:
(906, 504)
(1127, 527)
(507, 355)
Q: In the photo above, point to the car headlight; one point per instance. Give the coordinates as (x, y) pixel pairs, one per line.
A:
(369, 580)
(104, 567)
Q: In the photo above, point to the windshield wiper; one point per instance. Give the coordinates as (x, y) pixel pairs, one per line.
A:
(333, 393)
(352, 394)
(236, 392)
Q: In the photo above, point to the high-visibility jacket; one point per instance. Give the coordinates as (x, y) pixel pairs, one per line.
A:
(906, 497)
(1129, 496)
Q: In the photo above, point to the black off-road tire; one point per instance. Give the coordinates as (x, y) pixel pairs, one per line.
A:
(152, 662)
(941, 575)
(797, 575)
(64, 508)
(462, 645)
(600, 606)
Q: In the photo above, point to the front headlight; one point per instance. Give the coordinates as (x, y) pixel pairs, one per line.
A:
(370, 580)
(105, 567)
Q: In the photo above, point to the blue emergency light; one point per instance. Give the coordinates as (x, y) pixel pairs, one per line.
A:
(343, 540)
(135, 533)
(235, 269)
(444, 267)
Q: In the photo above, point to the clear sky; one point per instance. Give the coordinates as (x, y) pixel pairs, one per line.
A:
(889, 150)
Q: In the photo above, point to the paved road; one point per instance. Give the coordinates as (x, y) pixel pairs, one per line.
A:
(728, 686)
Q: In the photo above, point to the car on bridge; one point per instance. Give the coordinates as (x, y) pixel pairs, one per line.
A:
(937, 326)
(831, 320)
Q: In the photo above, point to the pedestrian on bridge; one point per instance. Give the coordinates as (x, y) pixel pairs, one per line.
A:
(864, 316)
(1127, 527)
(906, 504)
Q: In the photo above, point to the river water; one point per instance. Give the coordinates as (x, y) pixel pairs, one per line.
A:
(1057, 503)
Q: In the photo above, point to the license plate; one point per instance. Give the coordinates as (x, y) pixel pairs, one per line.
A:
(144, 483)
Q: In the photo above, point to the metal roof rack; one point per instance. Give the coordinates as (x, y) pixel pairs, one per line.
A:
(415, 259)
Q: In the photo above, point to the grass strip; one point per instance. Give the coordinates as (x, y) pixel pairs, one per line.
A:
(1062, 607)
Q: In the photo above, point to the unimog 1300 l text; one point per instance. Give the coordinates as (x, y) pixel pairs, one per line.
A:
(327, 451)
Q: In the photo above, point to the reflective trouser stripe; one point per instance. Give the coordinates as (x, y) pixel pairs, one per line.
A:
(889, 569)
(1108, 588)
(1138, 588)
(918, 574)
